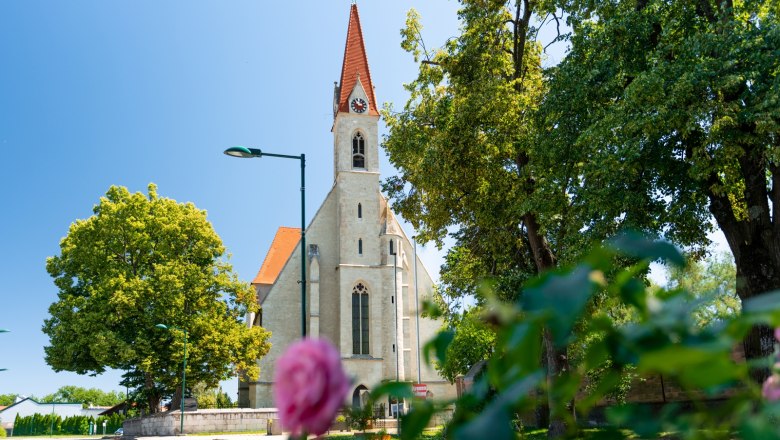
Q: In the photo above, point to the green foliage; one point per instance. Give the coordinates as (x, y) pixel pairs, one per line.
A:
(7, 399)
(665, 338)
(87, 397)
(138, 261)
(678, 101)
(211, 397)
(472, 342)
(360, 418)
(712, 283)
(46, 424)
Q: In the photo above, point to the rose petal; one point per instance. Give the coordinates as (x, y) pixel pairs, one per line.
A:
(309, 386)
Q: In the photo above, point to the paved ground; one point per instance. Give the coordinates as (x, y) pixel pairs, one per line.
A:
(218, 437)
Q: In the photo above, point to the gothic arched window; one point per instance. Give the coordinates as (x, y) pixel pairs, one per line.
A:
(359, 319)
(392, 251)
(360, 246)
(358, 151)
(360, 210)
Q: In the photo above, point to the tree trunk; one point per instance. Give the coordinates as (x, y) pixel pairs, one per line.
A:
(557, 361)
(176, 400)
(557, 364)
(754, 245)
(152, 396)
(755, 275)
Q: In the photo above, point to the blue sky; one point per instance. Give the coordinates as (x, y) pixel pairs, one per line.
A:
(98, 93)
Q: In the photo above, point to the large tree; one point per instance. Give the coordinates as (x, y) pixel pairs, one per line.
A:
(486, 155)
(681, 100)
(461, 142)
(137, 262)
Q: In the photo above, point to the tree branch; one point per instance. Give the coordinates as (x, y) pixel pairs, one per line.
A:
(704, 9)
(557, 30)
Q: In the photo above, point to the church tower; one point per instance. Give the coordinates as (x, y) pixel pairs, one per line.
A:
(360, 286)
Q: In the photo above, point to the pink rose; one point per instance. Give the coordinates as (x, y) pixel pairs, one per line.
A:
(771, 388)
(309, 386)
(777, 333)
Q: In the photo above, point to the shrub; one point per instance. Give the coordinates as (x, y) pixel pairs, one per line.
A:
(662, 339)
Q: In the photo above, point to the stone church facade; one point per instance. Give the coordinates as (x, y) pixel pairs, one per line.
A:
(361, 265)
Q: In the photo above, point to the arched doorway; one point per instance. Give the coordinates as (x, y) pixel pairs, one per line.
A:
(359, 396)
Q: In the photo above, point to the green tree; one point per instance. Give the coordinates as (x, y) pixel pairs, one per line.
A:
(211, 397)
(473, 341)
(138, 261)
(7, 399)
(679, 100)
(469, 118)
(712, 283)
(515, 207)
(85, 396)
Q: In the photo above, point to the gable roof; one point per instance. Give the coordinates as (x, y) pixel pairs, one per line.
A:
(283, 245)
(354, 65)
(35, 402)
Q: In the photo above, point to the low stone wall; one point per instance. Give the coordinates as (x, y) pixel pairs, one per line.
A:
(204, 420)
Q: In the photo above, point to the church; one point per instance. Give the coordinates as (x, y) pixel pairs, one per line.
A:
(363, 275)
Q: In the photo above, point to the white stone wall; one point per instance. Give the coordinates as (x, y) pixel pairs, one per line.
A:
(344, 128)
(207, 420)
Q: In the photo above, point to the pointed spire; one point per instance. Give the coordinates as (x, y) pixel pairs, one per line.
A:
(355, 66)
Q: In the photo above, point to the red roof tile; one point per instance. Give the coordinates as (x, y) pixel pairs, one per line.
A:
(285, 241)
(355, 63)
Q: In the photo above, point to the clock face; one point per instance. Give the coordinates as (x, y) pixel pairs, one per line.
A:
(359, 105)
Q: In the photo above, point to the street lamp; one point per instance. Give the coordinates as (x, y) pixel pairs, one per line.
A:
(2, 330)
(183, 371)
(248, 153)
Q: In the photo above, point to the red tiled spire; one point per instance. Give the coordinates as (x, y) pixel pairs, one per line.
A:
(285, 241)
(355, 64)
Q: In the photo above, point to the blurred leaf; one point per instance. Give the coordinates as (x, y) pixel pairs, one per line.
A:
(702, 367)
(412, 424)
(609, 433)
(608, 382)
(766, 302)
(564, 297)
(401, 390)
(495, 420)
(596, 355)
(637, 245)
(439, 344)
(523, 344)
(638, 418)
(759, 428)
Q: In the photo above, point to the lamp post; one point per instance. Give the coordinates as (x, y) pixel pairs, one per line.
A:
(397, 345)
(183, 372)
(248, 153)
(417, 311)
(2, 330)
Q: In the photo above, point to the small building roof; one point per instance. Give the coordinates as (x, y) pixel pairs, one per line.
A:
(26, 399)
(355, 66)
(283, 245)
